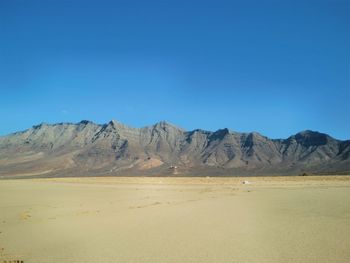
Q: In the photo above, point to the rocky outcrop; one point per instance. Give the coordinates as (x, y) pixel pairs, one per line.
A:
(86, 148)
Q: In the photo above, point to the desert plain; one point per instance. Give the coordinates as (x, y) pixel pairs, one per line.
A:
(164, 219)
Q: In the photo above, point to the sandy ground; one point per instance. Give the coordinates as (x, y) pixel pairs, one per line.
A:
(274, 219)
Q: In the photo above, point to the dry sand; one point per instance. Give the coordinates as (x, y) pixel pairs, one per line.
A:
(274, 219)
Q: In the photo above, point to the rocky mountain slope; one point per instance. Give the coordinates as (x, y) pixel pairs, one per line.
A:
(86, 148)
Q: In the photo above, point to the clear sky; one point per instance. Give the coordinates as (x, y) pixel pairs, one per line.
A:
(275, 67)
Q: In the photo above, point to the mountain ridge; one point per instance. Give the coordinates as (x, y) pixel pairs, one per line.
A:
(87, 148)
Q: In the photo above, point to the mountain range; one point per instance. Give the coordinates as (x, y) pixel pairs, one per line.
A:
(114, 149)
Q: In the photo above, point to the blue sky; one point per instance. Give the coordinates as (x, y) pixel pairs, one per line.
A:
(275, 67)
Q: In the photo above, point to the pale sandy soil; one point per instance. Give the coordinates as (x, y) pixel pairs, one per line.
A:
(279, 219)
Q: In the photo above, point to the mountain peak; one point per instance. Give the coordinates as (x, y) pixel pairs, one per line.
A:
(166, 125)
(115, 124)
(85, 122)
(114, 146)
(312, 138)
(39, 126)
(255, 135)
(310, 133)
(219, 134)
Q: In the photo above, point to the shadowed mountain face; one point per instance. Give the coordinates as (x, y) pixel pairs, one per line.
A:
(90, 149)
